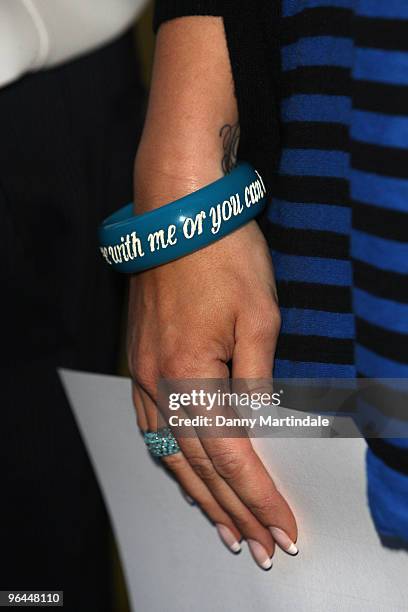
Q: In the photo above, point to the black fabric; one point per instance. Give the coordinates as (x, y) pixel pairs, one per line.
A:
(317, 21)
(68, 140)
(396, 458)
(54, 528)
(171, 9)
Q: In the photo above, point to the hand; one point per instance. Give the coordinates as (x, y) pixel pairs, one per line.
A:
(187, 319)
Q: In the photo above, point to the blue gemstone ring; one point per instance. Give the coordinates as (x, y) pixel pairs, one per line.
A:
(161, 443)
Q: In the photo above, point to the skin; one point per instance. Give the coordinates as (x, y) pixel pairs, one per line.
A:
(182, 327)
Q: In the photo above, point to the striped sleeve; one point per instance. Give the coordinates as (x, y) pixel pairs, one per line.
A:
(379, 237)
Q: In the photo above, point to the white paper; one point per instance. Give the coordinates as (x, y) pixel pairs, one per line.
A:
(172, 557)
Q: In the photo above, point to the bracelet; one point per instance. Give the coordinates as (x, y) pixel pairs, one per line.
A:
(133, 243)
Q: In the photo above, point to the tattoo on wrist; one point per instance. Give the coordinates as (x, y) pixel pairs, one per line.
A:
(230, 141)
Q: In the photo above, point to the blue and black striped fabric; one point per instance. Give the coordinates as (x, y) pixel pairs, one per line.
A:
(338, 222)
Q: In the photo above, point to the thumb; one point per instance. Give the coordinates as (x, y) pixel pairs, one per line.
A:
(256, 335)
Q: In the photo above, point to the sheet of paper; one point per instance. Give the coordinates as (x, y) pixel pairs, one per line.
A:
(172, 557)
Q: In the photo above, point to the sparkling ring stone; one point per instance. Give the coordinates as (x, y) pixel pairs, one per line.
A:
(161, 443)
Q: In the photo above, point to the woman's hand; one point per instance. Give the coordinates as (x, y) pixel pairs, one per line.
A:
(187, 319)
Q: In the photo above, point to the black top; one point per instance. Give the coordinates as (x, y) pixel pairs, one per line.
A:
(252, 37)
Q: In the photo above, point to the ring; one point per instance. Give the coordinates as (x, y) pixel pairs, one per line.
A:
(161, 443)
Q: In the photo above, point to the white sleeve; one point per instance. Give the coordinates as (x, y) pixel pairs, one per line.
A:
(37, 34)
(19, 41)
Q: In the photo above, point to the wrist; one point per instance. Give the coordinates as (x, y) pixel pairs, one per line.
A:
(133, 243)
(162, 180)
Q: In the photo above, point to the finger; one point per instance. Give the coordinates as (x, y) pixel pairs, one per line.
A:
(193, 487)
(256, 336)
(139, 407)
(194, 448)
(259, 538)
(155, 420)
(196, 489)
(253, 358)
(238, 464)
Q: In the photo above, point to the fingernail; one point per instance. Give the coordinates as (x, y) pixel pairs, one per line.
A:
(283, 540)
(228, 538)
(189, 499)
(260, 555)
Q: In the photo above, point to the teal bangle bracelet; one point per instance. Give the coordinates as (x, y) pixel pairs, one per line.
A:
(133, 243)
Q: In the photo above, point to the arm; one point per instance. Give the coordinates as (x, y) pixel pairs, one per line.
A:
(188, 318)
(191, 100)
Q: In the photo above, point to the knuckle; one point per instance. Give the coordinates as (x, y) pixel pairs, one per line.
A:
(207, 506)
(178, 364)
(203, 467)
(268, 321)
(141, 419)
(243, 523)
(275, 318)
(144, 373)
(228, 464)
(171, 366)
(266, 503)
(132, 364)
(174, 462)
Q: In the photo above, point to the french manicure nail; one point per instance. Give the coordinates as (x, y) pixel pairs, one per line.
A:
(283, 540)
(260, 555)
(228, 538)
